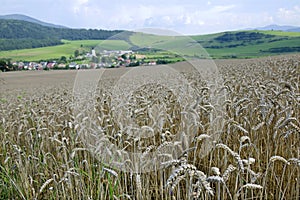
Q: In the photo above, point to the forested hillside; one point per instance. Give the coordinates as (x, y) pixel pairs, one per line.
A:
(17, 34)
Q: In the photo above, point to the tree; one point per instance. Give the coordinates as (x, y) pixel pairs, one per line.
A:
(3, 66)
(132, 57)
(63, 59)
(76, 53)
(105, 59)
(124, 56)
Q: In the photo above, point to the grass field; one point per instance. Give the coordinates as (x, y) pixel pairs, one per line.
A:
(67, 49)
(255, 50)
(181, 45)
(282, 33)
(200, 46)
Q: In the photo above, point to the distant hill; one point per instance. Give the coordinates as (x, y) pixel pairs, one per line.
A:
(275, 27)
(232, 44)
(30, 19)
(19, 34)
(294, 30)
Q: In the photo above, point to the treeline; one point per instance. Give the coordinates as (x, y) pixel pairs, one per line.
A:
(14, 32)
(282, 50)
(242, 36)
(238, 39)
(5, 65)
(27, 43)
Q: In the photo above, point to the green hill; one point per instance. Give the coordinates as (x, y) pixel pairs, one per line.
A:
(22, 40)
(246, 44)
(18, 34)
(66, 49)
(235, 44)
(30, 19)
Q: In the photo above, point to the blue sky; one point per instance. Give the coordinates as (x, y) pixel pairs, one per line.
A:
(184, 17)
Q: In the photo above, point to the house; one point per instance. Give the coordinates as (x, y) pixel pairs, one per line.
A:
(61, 66)
(40, 67)
(93, 65)
(20, 65)
(32, 66)
(120, 59)
(83, 66)
(44, 64)
(127, 61)
(72, 65)
(125, 52)
(140, 56)
(51, 65)
(152, 63)
(88, 55)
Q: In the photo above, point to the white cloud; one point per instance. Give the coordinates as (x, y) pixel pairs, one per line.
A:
(221, 8)
(81, 2)
(188, 16)
(289, 16)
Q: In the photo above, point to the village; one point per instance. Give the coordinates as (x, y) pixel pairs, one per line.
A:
(91, 60)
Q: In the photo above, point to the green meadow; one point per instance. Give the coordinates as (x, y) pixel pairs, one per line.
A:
(236, 44)
(67, 49)
(282, 33)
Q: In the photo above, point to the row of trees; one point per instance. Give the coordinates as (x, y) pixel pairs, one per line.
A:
(5, 65)
(242, 36)
(27, 43)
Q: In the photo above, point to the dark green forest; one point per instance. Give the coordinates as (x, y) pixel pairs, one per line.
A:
(17, 34)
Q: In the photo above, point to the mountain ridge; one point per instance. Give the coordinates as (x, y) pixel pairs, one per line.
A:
(275, 27)
(30, 19)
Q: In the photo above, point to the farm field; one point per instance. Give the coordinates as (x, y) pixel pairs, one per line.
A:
(236, 138)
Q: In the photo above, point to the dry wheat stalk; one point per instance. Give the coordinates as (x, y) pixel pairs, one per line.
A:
(227, 172)
(45, 185)
(278, 158)
(110, 171)
(234, 154)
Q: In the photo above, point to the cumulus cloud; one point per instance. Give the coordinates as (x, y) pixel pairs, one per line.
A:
(221, 8)
(289, 16)
(187, 17)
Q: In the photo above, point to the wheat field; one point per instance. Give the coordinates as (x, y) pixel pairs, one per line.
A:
(49, 149)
